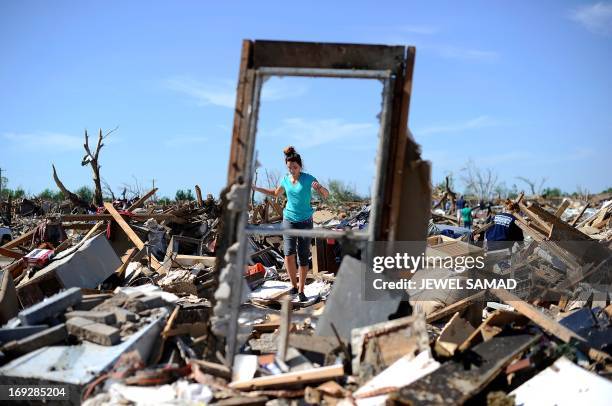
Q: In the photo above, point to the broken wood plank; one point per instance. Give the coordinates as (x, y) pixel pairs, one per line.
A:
(455, 332)
(545, 322)
(491, 327)
(127, 258)
(573, 223)
(128, 231)
(284, 330)
(20, 240)
(561, 209)
(453, 384)
(199, 196)
(542, 320)
(143, 199)
(455, 307)
(10, 254)
(291, 378)
(212, 368)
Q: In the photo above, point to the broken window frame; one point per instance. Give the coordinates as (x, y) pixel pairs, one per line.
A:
(394, 65)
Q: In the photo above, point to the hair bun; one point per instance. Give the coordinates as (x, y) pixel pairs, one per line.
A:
(289, 150)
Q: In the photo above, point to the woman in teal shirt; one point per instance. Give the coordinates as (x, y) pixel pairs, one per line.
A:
(297, 214)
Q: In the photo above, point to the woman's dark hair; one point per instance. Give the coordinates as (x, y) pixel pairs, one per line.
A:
(292, 156)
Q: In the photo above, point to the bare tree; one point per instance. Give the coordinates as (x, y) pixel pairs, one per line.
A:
(534, 187)
(74, 198)
(273, 178)
(135, 189)
(91, 159)
(448, 193)
(108, 190)
(481, 182)
(583, 193)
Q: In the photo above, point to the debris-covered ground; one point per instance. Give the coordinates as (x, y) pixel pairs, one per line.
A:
(117, 306)
(131, 302)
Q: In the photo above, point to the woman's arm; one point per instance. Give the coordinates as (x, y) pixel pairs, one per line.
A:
(271, 192)
(320, 189)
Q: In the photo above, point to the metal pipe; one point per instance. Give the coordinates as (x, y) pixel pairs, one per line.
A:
(313, 233)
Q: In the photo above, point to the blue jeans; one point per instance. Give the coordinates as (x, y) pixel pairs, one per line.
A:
(299, 245)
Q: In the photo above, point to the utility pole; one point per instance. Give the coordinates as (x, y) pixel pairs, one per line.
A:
(154, 194)
(0, 184)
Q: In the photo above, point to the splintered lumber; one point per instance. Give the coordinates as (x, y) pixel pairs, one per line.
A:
(542, 320)
(456, 307)
(212, 368)
(546, 323)
(128, 231)
(291, 378)
(453, 384)
(573, 223)
(10, 254)
(550, 221)
(20, 240)
(492, 326)
(561, 209)
(455, 332)
(199, 196)
(127, 258)
(143, 199)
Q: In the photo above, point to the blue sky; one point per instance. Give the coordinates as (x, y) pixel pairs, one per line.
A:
(520, 87)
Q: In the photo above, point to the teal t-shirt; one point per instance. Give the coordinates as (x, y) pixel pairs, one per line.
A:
(466, 213)
(298, 206)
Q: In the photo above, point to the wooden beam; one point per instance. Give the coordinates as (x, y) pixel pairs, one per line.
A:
(128, 231)
(106, 217)
(298, 377)
(327, 55)
(546, 323)
(573, 223)
(77, 226)
(97, 227)
(127, 258)
(284, 330)
(561, 209)
(212, 368)
(199, 196)
(398, 147)
(240, 112)
(20, 240)
(10, 254)
(143, 199)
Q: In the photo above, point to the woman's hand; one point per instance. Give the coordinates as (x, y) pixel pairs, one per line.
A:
(320, 189)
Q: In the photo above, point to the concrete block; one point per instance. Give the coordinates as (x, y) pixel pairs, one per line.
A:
(104, 317)
(123, 315)
(50, 307)
(91, 301)
(43, 338)
(17, 333)
(91, 331)
(151, 302)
